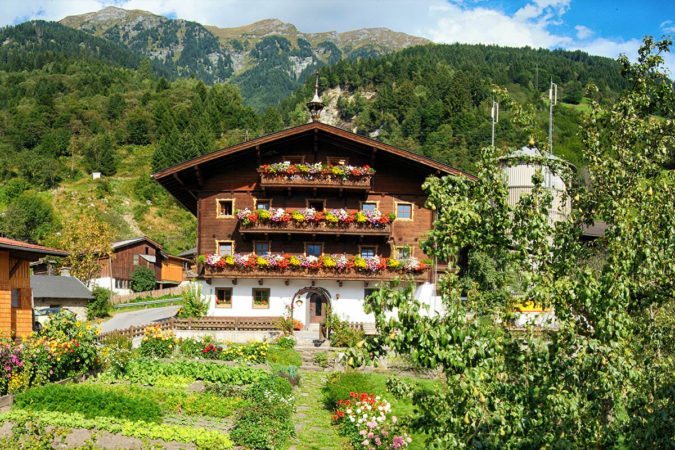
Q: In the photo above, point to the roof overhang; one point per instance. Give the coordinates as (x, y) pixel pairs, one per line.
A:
(29, 252)
(174, 179)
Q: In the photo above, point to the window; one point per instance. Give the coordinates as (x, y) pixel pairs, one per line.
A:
(263, 204)
(225, 248)
(313, 249)
(404, 211)
(136, 260)
(16, 298)
(261, 247)
(368, 251)
(147, 250)
(225, 207)
(337, 160)
(261, 298)
(293, 159)
(317, 204)
(224, 297)
(403, 252)
(369, 206)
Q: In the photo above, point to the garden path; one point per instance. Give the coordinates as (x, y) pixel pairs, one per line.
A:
(313, 423)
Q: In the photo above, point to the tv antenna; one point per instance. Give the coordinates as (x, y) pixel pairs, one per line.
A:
(494, 114)
(552, 101)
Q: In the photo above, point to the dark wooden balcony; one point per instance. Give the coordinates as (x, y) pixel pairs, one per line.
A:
(353, 229)
(276, 181)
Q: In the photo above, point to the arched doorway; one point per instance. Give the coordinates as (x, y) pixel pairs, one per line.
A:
(318, 302)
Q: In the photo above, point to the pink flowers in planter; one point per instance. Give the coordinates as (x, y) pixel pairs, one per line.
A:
(342, 263)
(316, 170)
(300, 217)
(367, 420)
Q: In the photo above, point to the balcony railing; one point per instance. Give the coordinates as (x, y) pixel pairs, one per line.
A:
(316, 175)
(311, 221)
(328, 267)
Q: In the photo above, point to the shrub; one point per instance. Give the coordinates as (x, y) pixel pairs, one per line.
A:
(89, 400)
(157, 343)
(100, 305)
(116, 353)
(367, 421)
(283, 356)
(191, 347)
(339, 386)
(321, 359)
(143, 279)
(11, 364)
(290, 373)
(194, 304)
(341, 334)
(64, 347)
(285, 342)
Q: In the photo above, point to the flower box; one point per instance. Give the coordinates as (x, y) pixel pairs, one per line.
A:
(327, 175)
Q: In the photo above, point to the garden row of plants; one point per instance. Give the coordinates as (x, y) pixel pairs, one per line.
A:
(335, 263)
(333, 217)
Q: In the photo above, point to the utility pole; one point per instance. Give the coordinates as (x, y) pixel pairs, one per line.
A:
(552, 101)
(494, 114)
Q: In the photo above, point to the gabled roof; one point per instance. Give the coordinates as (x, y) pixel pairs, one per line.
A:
(189, 201)
(52, 286)
(120, 244)
(20, 246)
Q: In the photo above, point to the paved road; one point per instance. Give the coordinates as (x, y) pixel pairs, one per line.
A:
(140, 317)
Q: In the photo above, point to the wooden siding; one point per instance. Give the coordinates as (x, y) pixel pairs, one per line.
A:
(123, 261)
(395, 181)
(18, 321)
(172, 270)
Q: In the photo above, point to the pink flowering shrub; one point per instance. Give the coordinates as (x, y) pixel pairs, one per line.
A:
(367, 420)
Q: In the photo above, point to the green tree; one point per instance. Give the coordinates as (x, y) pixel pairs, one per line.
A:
(29, 217)
(602, 378)
(138, 128)
(99, 155)
(143, 279)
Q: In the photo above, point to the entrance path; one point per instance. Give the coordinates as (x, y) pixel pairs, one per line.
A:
(314, 428)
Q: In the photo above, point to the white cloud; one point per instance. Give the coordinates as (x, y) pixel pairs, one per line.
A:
(468, 21)
(583, 32)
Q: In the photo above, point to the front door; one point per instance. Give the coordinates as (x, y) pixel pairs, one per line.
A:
(317, 308)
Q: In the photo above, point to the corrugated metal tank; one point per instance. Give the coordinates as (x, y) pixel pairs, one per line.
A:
(519, 171)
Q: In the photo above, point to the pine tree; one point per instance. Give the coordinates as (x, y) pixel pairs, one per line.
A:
(99, 155)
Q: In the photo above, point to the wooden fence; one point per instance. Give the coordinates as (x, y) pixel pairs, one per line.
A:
(116, 299)
(205, 323)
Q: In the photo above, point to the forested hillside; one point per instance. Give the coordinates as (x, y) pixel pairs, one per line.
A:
(72, 103)
(436, 99)
(69, 107)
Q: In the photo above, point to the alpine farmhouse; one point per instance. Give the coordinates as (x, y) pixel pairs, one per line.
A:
(308, 220)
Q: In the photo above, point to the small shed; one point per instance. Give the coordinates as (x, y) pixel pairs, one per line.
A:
(65, 291)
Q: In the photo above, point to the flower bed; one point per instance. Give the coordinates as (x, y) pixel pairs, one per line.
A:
(367, 421)
(317, 170)
(64, 348)
(337, 264)
(313, 220)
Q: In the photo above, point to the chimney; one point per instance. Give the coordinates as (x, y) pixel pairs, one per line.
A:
(65, 271)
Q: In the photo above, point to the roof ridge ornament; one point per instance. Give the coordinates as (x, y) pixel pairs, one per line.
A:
(315, 106)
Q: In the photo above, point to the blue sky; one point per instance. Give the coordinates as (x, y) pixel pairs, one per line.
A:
(601, 27)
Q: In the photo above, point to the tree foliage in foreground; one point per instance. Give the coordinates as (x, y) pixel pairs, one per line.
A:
(603, 377)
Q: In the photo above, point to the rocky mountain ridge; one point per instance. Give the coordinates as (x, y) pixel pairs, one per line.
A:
(268, 59)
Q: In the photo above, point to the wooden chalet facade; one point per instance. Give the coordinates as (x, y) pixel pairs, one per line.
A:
(16, 301)
(312, 216)
(116, 272)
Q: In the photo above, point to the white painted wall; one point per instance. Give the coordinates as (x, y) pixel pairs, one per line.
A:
(107, 282)
(346, 300)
